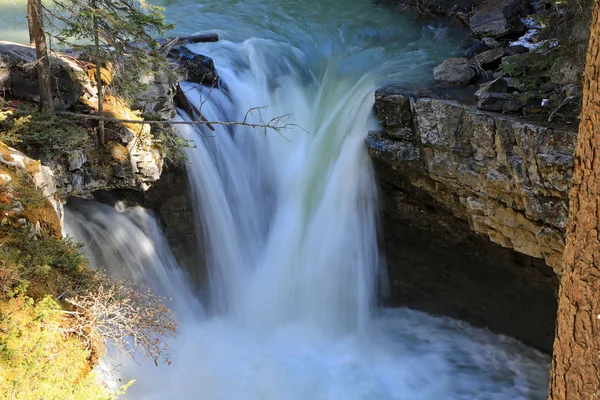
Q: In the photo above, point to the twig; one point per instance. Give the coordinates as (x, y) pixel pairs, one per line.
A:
(268, 125)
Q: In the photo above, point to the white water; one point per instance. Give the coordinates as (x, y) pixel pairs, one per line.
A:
(290, 221)
(402, 354)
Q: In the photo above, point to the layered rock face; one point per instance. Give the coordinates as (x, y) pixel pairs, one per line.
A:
(130, 159)
(475, 205)
(508, 178)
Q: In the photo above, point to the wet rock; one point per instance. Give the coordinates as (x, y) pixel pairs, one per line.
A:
(495, 18)
(171, 198)
(453, 72)
(200, 68)
(476, 47)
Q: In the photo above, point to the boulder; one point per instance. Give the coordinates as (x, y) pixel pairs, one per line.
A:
(453, 72)
(200, 68)
(491, 42)
(475, 48)
(18, 76)
(488, 58)
(495, 18)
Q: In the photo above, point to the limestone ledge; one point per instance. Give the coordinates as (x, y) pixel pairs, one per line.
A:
(509, 178)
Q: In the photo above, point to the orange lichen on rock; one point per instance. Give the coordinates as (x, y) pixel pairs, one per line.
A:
(27, 192)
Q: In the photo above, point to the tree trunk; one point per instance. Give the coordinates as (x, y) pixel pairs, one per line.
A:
(30, 8)
(576, 357)
(35, 18)
(98, 73)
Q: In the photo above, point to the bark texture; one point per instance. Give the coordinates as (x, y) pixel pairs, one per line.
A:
(35, 18)
(576, 357)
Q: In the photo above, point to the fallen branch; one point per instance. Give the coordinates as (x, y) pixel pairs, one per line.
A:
(272, 124)
(182, 102)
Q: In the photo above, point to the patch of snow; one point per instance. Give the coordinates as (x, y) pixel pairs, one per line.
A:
(531, 23)
(525, 40)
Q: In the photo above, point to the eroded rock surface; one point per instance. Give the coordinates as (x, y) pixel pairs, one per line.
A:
(508, 178)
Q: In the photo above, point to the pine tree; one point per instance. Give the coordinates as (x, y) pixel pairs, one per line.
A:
(37, 36)
(113, 33)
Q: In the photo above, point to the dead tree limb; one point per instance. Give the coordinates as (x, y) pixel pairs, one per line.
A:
(182, 102)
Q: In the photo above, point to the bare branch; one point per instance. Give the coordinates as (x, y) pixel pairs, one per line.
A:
(132, 321)
(272, 124)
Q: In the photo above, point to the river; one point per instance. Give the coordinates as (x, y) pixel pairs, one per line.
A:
(290, 309)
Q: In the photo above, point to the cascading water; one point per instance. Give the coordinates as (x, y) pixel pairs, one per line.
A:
(289, 219)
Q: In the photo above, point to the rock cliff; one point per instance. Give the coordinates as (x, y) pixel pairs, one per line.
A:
(473, 211)
(507, 177)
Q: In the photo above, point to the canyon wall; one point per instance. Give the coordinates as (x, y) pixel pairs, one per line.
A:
(474, 207)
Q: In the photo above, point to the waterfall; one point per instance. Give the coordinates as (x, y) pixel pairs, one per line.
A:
(289, 220)
(128, 244)
(290, 214)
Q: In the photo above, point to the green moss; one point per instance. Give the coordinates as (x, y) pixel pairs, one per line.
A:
(38, 361)
(41, 136)
(530, 71)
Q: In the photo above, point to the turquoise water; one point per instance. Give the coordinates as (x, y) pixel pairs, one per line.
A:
(320, 28)
(289, 224)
